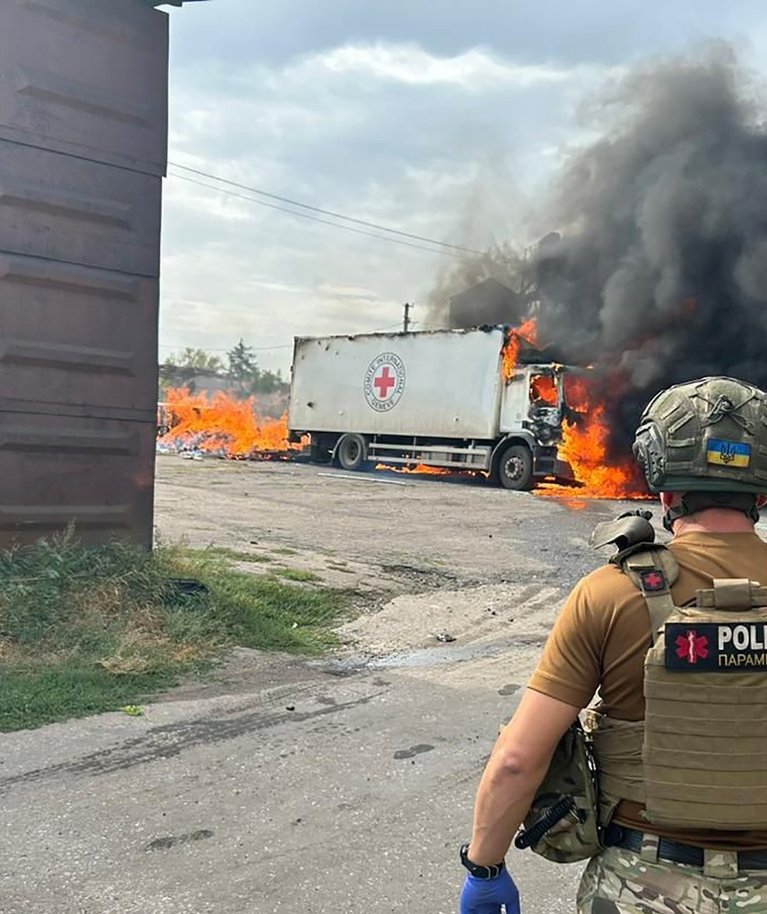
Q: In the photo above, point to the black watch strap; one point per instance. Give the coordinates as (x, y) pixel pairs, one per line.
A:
(479, 871)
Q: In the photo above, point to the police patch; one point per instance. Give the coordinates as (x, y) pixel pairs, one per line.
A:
(728, 453)
(715, 647)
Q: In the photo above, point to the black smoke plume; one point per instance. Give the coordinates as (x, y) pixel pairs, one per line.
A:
(658, 271)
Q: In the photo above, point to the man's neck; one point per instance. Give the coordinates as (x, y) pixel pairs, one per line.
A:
(714, 520)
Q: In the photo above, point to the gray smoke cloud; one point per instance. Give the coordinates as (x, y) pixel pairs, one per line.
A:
(659, 272)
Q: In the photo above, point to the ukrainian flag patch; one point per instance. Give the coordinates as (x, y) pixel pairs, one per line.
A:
(728, 453)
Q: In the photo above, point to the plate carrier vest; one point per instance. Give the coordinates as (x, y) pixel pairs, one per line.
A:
(699, 758)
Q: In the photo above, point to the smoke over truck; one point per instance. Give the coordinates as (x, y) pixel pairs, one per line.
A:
(445, 398)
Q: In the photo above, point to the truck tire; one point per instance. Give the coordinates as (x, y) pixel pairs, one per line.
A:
(351, 452)
(515, 467)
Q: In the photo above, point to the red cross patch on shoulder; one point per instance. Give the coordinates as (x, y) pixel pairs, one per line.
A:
(652, 581)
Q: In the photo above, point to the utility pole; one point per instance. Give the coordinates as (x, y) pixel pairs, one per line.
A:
(406, 318)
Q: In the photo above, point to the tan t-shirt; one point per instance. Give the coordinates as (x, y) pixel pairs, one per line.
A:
(603, 633)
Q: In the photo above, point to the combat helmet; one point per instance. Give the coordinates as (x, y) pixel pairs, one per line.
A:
(705, 436)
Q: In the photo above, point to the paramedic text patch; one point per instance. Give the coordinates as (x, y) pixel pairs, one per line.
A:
(728, 453)
(708, 647)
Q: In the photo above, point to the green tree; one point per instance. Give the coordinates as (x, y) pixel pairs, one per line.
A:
(243, 368)
(197, 359)
(181, 368)
(269, 382)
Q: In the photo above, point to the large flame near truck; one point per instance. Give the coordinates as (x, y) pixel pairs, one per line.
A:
(585, 441)
(222, 425)
(585, 435)
(515, 339)
(584, 447)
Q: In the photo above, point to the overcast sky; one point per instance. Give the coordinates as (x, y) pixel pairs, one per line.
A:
(442, 118)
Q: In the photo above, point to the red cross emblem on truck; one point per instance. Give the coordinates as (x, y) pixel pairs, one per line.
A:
(384, 382)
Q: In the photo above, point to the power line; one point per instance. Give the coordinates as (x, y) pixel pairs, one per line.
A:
(327, 212)
(346, 228)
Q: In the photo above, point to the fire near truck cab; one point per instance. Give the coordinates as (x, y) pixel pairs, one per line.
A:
(444, 398)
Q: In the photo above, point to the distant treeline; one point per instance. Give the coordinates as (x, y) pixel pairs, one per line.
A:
(238, 372)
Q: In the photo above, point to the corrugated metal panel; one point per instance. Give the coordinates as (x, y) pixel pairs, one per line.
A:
(66, 460)
(86, 77)
(73, 210)
(82, 148)
(77, 336)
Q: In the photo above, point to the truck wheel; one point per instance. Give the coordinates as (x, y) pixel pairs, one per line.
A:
(515, 467)
(351, 452)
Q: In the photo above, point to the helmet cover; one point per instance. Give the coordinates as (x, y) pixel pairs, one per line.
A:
(707, 435)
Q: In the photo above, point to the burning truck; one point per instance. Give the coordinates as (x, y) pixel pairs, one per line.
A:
(483, 399)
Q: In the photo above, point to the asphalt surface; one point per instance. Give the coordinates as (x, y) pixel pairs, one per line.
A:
(343, 786)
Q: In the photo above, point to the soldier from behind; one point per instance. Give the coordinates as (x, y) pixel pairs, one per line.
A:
(671, 800)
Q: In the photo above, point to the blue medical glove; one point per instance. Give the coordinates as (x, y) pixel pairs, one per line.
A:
(485, 896)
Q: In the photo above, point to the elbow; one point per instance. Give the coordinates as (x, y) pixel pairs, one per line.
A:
(514, 764)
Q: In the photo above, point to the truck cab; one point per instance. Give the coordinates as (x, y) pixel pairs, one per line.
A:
(533, 407)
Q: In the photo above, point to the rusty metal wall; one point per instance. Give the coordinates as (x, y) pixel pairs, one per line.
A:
(83, 146)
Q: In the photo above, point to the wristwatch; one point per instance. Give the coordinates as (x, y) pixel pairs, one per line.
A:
(478, 871)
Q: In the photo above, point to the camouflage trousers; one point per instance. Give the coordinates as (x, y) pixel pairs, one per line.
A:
(622, 882)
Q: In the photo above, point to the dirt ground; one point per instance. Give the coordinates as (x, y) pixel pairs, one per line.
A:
(422, 557)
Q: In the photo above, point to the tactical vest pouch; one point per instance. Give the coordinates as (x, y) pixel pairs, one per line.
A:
(618, 754)
(705, 687)
(563, 823)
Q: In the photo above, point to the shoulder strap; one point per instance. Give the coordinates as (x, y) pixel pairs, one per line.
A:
(653, 570)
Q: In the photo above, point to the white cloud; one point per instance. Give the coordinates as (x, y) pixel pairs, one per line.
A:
(371, 130)
(411, 64)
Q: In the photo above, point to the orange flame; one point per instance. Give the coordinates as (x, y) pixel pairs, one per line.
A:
(585, 447)
(223, 425)
(543, 388)
(528, 331)
(577, 393)
(420, 468)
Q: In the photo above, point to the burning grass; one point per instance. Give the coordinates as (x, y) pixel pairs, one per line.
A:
(84, 630)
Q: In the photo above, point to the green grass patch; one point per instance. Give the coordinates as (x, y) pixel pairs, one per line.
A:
(238, 556)
(296, 574)
(285, 550)
(89, 629)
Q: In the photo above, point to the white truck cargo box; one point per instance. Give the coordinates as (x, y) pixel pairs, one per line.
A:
(446, 384)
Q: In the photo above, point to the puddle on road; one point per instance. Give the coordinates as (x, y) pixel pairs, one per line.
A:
(423, 657)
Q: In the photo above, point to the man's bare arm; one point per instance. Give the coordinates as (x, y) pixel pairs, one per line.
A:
(518, 764)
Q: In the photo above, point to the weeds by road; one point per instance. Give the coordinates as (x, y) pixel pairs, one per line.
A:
(84, 630)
